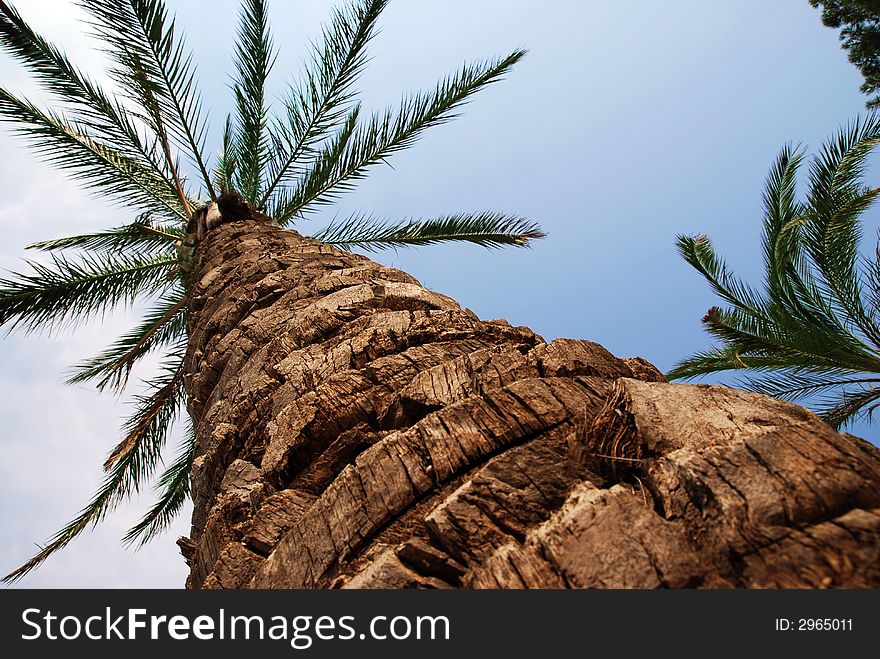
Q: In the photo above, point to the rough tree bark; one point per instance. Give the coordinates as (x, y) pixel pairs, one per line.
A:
(357, 430)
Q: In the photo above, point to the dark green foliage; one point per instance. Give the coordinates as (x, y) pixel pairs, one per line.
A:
(813, 331)
(859, 25)
(135, 151)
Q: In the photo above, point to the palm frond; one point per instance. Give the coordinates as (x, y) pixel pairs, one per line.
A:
(227, 163)
(154, 117)
(747, 333)
(90, 106)
(94, 164)
(324, 95)
(253, 61)
(175, 487)
(162, 325)
(332, 151)
(485, 229)
(50, 65)
(871, 268)
(155, 70)
(814, 333)
(133, 460)
(699, 253)
(833, 234)
(386, 134)
(840, 164)
(781, 214)
(803, 346)
(67, 292)
(147, 428)
(797, 384)
(140, 237)
(849, 406)
(723, 358)
(795, 318)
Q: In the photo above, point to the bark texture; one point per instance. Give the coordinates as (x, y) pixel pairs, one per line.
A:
(357, 430)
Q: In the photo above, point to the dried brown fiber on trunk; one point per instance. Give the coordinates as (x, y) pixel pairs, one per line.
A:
(357, 430)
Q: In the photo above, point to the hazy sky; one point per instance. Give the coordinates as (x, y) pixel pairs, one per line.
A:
(628, 122)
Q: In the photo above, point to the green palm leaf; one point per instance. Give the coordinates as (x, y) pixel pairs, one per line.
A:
(67, 292)
(386, 134)
(155, 71)
(797, 384)
(51, 65)
(163, 325)
(323, 98)
(699, 253)
(89, 105)
(174, 484)
(139, 237)
(781, 225)
(227, 163)
(253, 61)
(93, 163)
(851, 405)
(833, 235)
(813, 331)
(484, 229)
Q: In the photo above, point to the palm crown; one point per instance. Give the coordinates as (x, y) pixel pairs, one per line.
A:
(137, 145)
(814, 331)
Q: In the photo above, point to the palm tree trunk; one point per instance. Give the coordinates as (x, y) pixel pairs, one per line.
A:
(357, 430)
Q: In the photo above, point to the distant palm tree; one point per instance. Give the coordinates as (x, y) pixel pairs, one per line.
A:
(137, 148)
(814, 330)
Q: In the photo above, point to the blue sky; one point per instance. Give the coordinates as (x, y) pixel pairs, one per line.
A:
(626, 124)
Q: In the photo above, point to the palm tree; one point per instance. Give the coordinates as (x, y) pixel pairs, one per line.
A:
(355, 429)
(813, 332)
(350, 427)
(144, 146)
